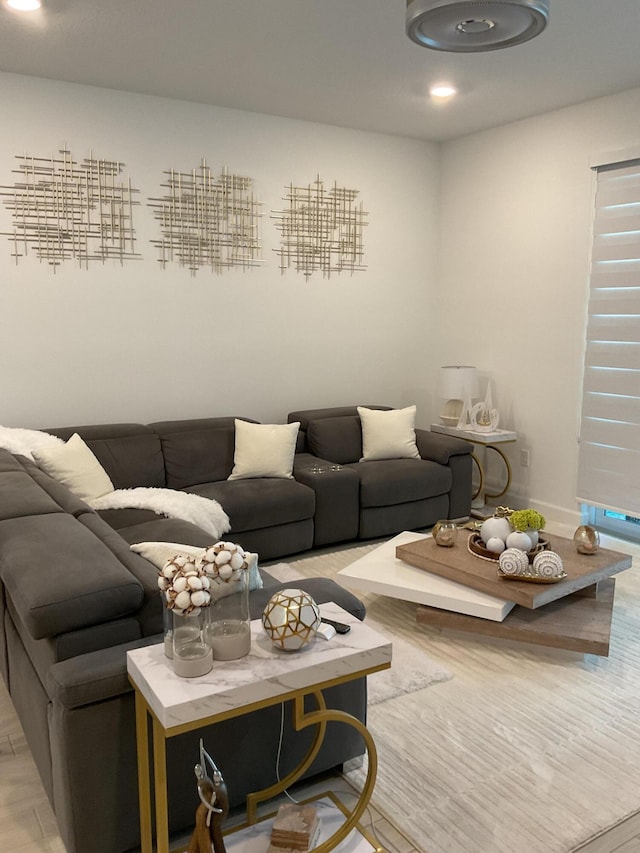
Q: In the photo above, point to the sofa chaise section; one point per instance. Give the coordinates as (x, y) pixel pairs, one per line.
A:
(74, 598)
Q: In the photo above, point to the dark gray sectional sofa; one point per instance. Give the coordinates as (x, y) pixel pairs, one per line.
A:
(74, 598)
(365, 500)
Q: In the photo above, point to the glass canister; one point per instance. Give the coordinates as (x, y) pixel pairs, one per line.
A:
(167, 626)
(228, 629)
(228, 625)
(445, 533)
(191, 652)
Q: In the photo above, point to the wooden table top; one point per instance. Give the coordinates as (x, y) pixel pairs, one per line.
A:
(459, 564)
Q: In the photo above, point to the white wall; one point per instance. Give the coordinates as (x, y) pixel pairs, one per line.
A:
(139, 343)
(515, 216)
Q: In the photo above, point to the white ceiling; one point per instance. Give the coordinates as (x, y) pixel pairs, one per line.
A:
(343, 62)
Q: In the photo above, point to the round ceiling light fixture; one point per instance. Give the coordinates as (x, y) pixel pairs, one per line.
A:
(472, 26)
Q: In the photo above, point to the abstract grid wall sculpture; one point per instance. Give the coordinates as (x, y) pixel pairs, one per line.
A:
(321, 230)
(64, 210)
(208, 221)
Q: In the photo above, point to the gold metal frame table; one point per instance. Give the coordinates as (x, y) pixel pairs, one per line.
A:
(266, 676)
(482, 442)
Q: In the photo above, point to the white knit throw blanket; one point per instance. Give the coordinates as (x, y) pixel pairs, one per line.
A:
(203, 512)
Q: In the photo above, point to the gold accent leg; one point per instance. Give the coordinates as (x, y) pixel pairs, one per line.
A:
(144, 788)
(508, 467)
(254, 799)
(478, 491)
(320, 717)
(302, 720)
(160, 788)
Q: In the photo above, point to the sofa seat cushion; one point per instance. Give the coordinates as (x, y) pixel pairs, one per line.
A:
(394, 481)
(118, 518)
(253, 504)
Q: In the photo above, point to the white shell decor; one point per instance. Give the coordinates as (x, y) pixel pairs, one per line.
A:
(548, 564)
(519, 540)
(513, 561)
(185, 585)
(291, 619)
(495, 528)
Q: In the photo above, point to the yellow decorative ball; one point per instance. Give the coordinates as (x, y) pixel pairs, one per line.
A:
(291, 619)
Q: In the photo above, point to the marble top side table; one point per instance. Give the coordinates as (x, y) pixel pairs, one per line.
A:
(266, 676)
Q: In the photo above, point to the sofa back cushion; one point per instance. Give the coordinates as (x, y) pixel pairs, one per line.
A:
(131, 454)
(198, 450)
(305, 416)
(338, 440)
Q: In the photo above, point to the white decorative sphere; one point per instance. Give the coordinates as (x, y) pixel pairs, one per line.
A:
(495, 545)
(513, 561)
(520, 540)
(548, 564)
(291, 619)
(495, 528)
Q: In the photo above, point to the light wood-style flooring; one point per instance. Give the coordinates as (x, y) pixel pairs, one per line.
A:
(28, 825)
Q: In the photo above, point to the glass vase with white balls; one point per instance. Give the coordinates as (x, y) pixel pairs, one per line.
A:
(186, 592)
(228, 624)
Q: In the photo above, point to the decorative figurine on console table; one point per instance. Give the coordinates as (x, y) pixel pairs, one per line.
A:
(213, 808)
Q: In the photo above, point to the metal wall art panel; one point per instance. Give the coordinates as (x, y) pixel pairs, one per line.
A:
(64, 210)
(321, 230)
(208, 221)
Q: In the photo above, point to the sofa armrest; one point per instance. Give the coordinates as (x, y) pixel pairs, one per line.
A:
(440, 448)
(337, 491)
(322, 590)
(94, 677)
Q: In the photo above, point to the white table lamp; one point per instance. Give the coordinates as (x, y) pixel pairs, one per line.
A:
(456, 382)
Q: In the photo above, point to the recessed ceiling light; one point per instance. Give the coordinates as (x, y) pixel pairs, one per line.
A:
(442, 90)
(24, 5)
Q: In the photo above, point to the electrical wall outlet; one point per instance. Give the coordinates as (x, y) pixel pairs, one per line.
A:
(524, 458)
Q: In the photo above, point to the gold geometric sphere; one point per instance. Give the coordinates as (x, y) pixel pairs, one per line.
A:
(291, 619)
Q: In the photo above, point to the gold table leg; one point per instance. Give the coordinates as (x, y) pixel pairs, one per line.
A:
(320, 718)
(160, 788)
(508, 467)
(144, 788)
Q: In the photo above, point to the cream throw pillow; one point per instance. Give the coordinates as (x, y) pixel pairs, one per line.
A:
(264, 450)
(388, 435)
(74, 465)
(159, 553)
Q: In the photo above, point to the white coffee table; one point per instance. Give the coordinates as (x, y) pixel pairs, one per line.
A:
(382, 572)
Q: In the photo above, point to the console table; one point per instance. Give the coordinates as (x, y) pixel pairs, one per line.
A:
(266, 676)
(483, 441)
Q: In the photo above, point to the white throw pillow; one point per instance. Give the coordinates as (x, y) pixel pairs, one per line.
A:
(74, 465)
(159, 553)
(264, 450)
(25, 441)
(388, 435)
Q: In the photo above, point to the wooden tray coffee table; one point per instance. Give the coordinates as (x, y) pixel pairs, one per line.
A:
(572, 614)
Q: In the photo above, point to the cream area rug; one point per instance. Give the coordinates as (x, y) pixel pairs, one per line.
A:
(412, 668)
(524, 750)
